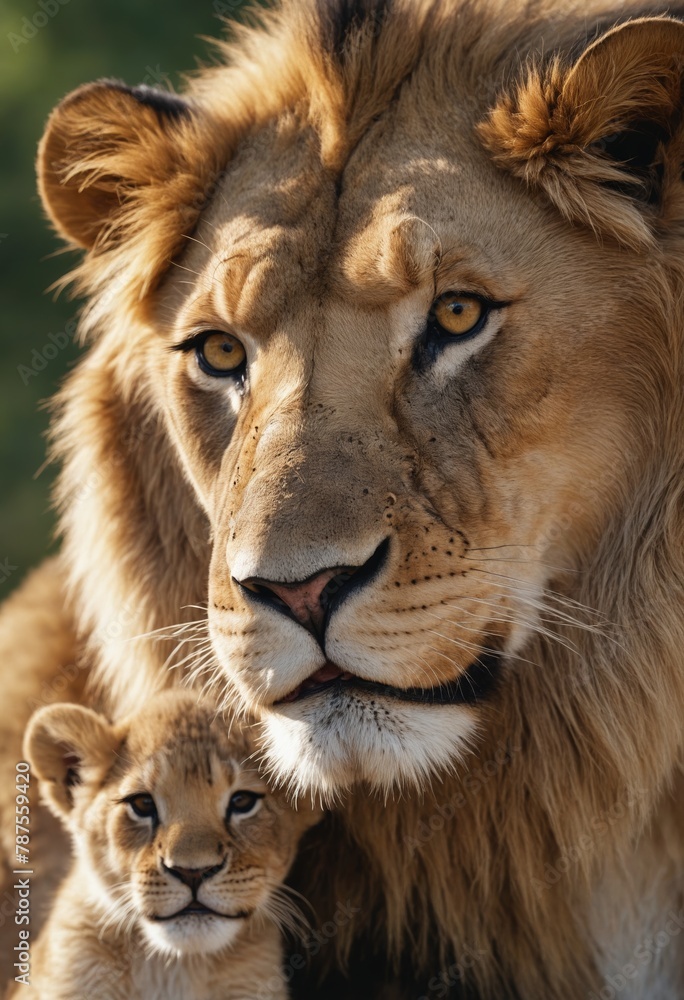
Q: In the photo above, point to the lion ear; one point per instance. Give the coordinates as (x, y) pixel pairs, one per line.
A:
(600, 137)
(61, 743)
(101, 143)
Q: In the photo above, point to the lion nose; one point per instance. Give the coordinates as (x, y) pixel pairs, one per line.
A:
(193, 877)
(309, 601)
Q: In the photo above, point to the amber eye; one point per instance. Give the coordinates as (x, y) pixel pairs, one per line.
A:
(458, 315)
(143, 806)
(243, 802)
(220, 353)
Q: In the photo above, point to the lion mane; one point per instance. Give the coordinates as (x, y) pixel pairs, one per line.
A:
(543, 847)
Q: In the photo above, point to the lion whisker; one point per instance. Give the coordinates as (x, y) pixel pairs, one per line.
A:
(512, 620)
(172, 631)
(564, 600)
(285, 913)
(470, 647)
(492, 548)
(184, 268)
(519, 593)
(528, 562)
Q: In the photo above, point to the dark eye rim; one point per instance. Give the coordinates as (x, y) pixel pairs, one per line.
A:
(255, 797)
(130, 801)
(435, 329)
(196, 342)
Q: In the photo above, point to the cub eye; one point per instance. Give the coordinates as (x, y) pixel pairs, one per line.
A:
(459, 315)
(243, 802)
(143, 806)
(219, 353)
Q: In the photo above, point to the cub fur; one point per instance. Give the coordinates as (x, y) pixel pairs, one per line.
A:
(180, 852)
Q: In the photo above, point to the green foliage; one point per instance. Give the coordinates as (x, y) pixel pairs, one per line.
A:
(48, 47)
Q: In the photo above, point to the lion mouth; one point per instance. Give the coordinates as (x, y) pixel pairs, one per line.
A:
(472, 686)
(197, 909)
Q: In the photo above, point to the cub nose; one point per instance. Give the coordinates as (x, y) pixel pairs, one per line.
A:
(308, 601)
(193, 877)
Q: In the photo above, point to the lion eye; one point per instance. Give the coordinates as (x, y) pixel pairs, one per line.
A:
(220, 353)
(143, 806)
(243, 802)
(458, 315)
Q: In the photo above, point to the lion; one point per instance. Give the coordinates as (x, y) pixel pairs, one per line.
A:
(379, 434)
(180, 853)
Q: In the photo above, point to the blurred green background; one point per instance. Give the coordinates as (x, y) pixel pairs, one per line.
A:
(47, 48)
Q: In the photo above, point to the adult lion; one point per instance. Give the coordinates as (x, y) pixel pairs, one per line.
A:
(385, 368)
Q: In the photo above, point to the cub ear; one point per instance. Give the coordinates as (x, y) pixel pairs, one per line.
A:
(61, 742)
(101, 143)
(601, 137)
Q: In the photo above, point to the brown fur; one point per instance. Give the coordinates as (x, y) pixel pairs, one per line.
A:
(104, 935)
(357, 183)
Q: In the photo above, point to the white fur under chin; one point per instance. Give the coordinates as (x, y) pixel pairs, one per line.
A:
(322, 745)
(191, 935)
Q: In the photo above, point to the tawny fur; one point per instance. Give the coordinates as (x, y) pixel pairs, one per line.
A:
(100, 938)
(540, 868)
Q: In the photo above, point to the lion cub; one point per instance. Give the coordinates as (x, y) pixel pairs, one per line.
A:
(180, 852)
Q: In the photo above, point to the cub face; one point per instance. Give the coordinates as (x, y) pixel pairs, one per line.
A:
(179, 833)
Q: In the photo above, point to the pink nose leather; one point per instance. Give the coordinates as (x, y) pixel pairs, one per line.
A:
(304, 599)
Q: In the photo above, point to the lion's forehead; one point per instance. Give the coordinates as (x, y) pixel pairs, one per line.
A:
(267, 229)
(190, 761)
(376, 234)
(181, 750)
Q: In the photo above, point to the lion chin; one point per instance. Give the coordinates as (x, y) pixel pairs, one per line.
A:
(189, 934)
(336, 729)
(328, 742)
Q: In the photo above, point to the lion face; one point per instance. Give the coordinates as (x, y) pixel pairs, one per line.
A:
(407, 389)
(178, 833)
(410, 411)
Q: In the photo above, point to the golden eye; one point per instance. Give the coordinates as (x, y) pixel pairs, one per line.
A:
(220, 353)
(142, 805)
(458, 314)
